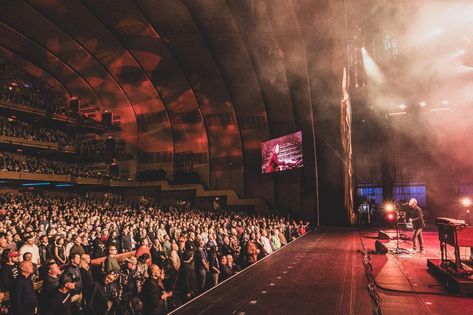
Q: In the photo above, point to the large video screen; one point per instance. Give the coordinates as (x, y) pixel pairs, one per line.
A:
(283, 153)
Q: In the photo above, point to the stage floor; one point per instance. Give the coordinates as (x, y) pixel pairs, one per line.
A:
(322, 273)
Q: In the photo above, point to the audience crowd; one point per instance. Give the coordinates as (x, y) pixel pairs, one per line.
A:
(176, 252)
(19, 86)
(92, 148)
(16, 162)
(18, 129)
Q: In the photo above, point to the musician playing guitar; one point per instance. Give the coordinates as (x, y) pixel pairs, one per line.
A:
(418, 224)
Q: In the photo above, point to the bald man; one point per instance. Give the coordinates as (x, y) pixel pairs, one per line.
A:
(418, 224)
(24, 299)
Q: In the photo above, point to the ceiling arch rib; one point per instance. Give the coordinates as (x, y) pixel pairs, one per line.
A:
(44, 58)
(56, 38)
(145, 45)
(36, 70)
(223, 38)
(122, 67)
(188, 46)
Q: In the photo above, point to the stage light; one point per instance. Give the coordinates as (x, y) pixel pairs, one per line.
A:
(389, 207)
(372, 69)
(435, 32)
(423, 104)
(445, 102)
(466, 202)
(390, 216)
(402, 106)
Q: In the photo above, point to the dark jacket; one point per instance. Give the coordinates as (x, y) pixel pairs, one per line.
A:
(417, 218)
(151, 296)
(45, 252)
(8, 274)
(125, 243)
(24, 301)
(60, 304)
(74, 271)
(48, 288)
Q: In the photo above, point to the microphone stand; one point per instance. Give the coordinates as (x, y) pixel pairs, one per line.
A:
(398, 249)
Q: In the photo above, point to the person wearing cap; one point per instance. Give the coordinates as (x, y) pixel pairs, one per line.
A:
(131, 282)
(60, 302)
(9, 270)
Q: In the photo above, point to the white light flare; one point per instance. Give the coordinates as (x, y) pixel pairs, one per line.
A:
(371, 68)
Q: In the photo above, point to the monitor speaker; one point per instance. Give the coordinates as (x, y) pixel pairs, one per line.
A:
(383, 236)
(380, 247)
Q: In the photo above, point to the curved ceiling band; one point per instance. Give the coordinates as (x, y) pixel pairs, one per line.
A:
(49, 76)
(54, 56)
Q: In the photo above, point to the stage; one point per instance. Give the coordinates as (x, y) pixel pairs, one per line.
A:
(322, 273)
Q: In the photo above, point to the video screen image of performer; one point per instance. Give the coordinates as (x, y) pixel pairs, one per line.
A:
(282, 153)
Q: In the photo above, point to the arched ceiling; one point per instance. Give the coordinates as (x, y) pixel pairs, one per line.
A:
(197, 84)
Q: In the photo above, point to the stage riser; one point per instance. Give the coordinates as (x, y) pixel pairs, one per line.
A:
(453, 283)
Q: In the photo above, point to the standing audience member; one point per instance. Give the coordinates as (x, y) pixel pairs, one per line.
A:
(73, 270)
(214, 266)
(45, 249)
(9, 269)
(23, 298)
(60, 251)
(61, 300)
(111, 263)
(77, 246)
(50, 283)
(201, 265)
(144, 249)
(131, 282)
(30, 247)
(154, 294)
(174, 267)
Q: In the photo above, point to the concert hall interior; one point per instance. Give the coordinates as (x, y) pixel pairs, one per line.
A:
(236, 157)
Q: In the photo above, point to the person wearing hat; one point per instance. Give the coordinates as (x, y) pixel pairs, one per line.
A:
(131, 281)
(60, 302)
(9, 270)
